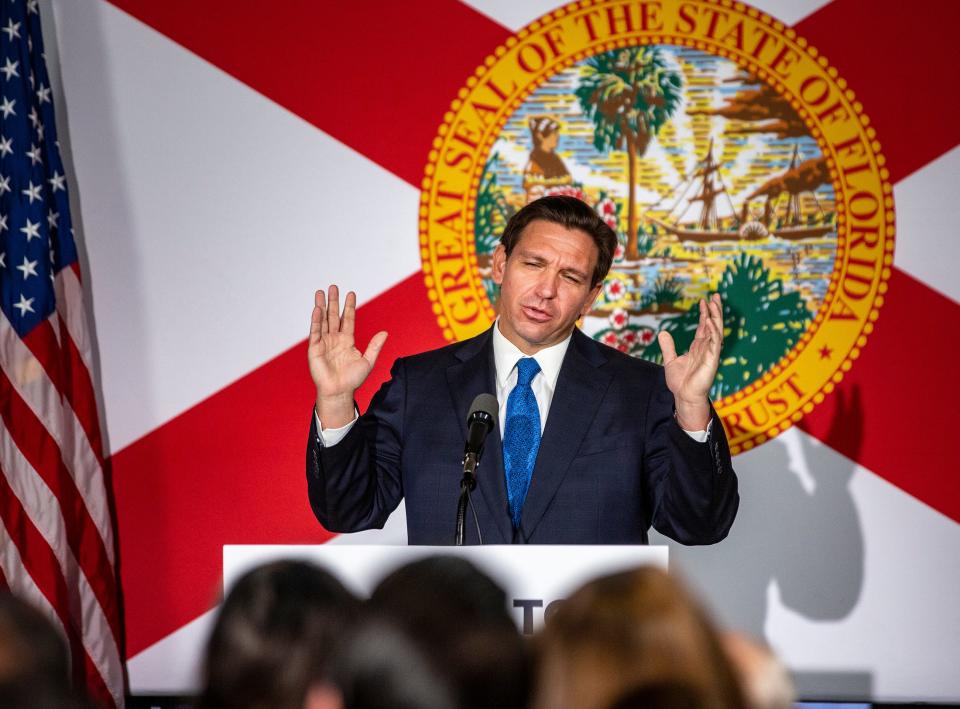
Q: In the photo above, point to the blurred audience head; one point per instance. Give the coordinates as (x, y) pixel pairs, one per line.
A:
(623, 633)
(275, 636)
(380, 668)
(30, 645)
(667, 694)
(764, 678)
(458, 618)
(34, 659)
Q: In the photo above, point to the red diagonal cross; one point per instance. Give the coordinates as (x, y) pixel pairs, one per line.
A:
(378, 77)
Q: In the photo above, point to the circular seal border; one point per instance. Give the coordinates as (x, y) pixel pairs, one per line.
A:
(448, 289)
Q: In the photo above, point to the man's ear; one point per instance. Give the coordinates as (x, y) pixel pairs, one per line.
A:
(499, 263)
(591, 299)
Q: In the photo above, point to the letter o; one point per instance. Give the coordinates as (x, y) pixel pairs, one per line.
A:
(540, 54)
(872, 205)
(817, 83)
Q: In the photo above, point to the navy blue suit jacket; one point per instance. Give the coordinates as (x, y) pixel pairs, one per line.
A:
(612, 459)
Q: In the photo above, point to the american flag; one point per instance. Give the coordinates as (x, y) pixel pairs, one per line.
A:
(57, 546)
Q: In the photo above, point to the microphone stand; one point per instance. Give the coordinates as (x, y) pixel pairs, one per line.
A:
(467, 484)
(482, 420)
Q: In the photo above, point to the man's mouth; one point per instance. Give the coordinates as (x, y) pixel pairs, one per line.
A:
(536, 314)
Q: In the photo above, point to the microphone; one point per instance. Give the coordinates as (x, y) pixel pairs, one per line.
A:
(482, 419)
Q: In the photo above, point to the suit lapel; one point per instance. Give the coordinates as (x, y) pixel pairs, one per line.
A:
(580, 389)
(474, 374)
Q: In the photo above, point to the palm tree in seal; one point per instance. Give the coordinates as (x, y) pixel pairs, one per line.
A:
(629, 94)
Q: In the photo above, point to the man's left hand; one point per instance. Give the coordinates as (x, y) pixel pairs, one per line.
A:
(691, 375)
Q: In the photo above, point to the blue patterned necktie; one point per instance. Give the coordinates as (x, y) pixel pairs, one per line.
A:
(521, 438)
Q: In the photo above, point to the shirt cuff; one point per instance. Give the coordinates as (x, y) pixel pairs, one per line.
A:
(332, 436)
(698, 436)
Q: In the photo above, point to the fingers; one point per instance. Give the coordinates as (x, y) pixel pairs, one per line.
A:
(326, 317)
(316, 321)
(349, 314)
(333, 309)
(375, 346)
(715, 320)
(667, 346)
(702, 323)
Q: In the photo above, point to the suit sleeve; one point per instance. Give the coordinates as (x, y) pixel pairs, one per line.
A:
(356, 484)
(692, 487)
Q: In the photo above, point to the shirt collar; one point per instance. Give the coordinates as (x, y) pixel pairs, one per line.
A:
(506, 355)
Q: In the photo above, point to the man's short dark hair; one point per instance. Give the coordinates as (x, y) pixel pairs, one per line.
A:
(571, 213)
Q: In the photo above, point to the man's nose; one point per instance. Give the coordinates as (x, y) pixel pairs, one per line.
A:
(547, 285)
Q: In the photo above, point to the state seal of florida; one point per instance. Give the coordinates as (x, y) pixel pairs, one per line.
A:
(727, 154)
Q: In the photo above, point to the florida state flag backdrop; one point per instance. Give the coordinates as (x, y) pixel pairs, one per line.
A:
(798, 156)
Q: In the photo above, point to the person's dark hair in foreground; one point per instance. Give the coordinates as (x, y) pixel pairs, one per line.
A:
(458, 617)
(661, 695)
(275, 636)
(34, 660)
(379, 667)
(628, 631)
(571, 213)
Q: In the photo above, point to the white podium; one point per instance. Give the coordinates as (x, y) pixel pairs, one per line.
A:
(534, 577)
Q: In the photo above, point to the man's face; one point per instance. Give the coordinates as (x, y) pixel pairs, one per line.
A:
(545, 284)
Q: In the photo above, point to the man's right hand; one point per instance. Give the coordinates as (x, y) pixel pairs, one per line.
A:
(337, 367)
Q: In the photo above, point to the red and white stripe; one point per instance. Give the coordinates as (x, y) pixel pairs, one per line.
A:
(59, 544)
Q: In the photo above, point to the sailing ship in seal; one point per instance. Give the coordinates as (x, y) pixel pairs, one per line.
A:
(710, 192)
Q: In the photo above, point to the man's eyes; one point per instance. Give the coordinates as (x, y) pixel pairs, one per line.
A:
(569, 277)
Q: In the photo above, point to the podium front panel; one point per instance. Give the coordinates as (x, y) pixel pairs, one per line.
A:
(533, 576)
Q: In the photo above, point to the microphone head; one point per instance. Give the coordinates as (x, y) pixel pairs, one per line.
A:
(485, 404)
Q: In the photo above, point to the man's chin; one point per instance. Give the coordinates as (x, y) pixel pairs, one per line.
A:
(543, 336)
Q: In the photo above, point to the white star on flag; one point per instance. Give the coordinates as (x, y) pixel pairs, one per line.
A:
(12, 29)
(31, 230)
(3, 259)
(52, 218)
(3, 223)
(4, 184)
(7, 107)
(25, 305)
(43, 94)
(34, 154)
(9, 69)
(6, 146)
(57, 182)
(32, 191)
(28, 267)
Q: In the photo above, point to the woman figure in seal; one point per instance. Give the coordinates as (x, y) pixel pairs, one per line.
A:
(544, 171)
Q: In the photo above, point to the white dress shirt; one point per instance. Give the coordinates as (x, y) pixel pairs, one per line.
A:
(505, 357)
(544, 383)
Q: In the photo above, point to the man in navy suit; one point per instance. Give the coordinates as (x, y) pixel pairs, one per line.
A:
(593, 446)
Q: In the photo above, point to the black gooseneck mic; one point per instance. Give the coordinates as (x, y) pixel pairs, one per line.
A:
(482, 419)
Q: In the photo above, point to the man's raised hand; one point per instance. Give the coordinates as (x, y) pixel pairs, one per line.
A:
(337, 367)
(691, 375)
